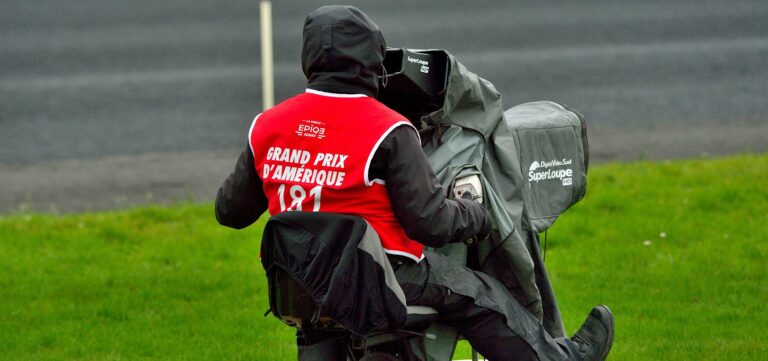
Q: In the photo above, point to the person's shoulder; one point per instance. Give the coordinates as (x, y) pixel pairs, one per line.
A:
(386, 112)
(291, 104)
(292, 101)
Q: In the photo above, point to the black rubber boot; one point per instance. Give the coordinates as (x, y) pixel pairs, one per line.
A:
(594, 339)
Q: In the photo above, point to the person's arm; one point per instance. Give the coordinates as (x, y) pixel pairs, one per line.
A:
(241, 200)
(418, 200)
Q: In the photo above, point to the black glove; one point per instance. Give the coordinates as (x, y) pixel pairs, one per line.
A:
(485, 230)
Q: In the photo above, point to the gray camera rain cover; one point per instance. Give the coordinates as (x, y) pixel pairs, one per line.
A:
(552, 144)
(470, 134)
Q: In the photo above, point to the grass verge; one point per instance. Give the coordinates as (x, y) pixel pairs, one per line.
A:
(677, 249)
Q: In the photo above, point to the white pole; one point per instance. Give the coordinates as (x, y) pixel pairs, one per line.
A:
(267, 69)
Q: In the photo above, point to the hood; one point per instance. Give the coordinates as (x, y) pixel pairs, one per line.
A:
(343, 51)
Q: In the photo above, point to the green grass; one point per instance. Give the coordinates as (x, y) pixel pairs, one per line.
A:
(153, 283)
(677, 249)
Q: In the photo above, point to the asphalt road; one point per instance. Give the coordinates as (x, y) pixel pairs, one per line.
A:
(107, 104)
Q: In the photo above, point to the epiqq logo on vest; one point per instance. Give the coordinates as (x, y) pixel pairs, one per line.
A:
(311, 129)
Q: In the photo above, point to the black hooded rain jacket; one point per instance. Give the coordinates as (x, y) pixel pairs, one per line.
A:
(343, 52)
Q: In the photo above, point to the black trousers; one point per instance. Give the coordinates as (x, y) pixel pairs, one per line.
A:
(479, 307)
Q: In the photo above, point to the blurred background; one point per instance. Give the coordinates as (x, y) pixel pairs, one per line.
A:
(108, 104)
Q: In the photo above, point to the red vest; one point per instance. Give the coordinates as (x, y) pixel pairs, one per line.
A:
(313, 151)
